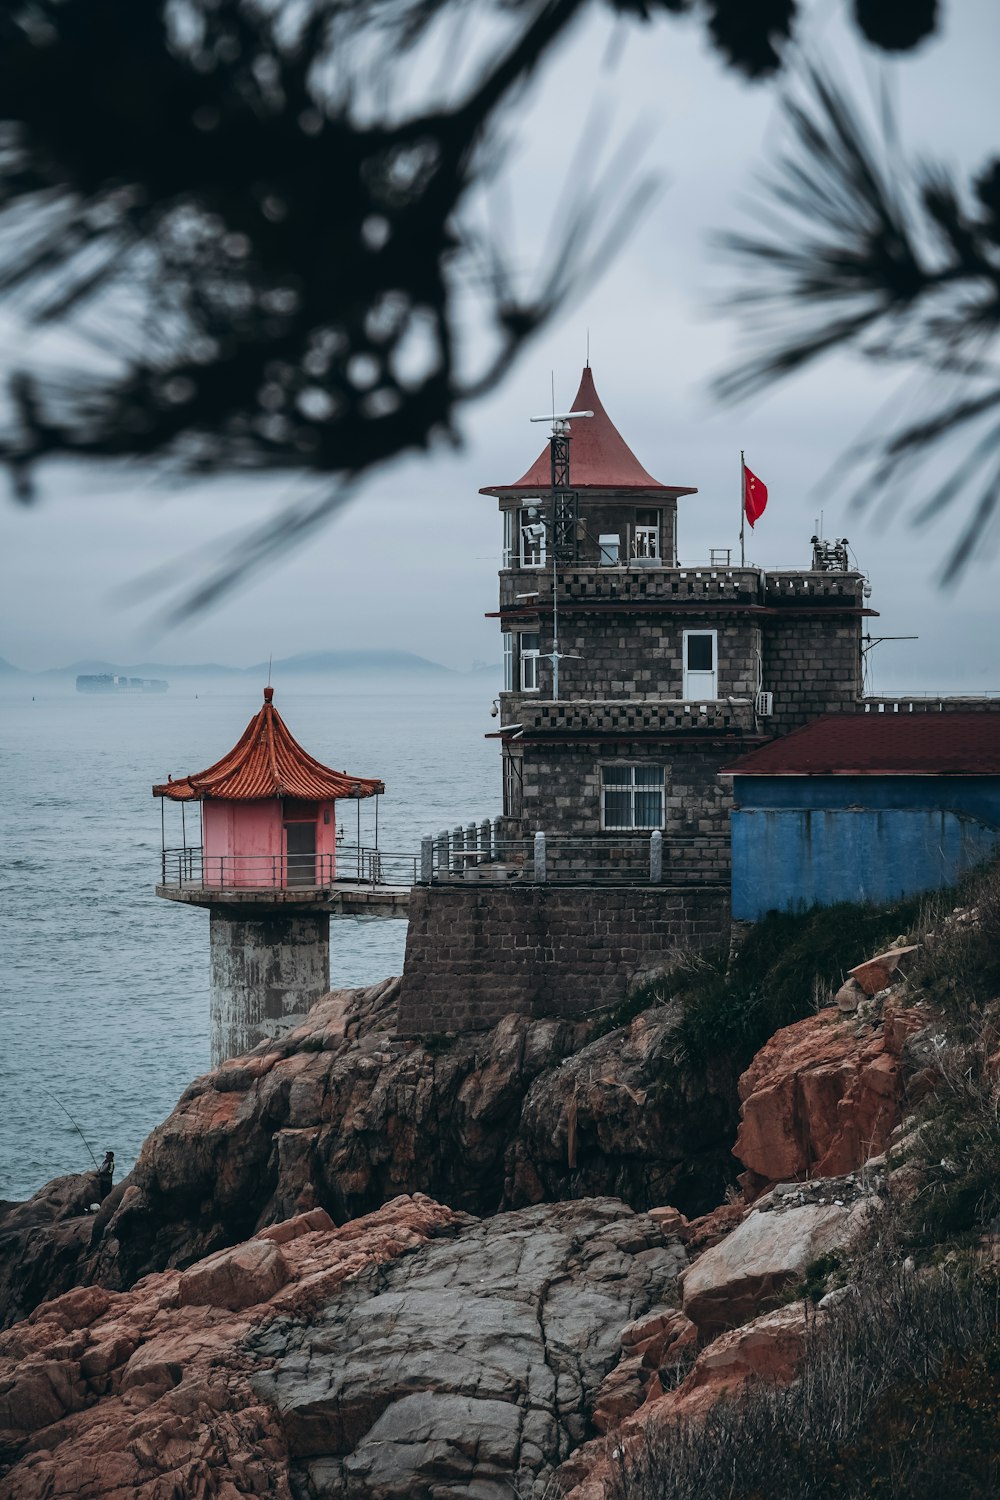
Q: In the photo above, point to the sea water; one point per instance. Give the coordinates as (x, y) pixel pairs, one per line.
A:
(103, 986)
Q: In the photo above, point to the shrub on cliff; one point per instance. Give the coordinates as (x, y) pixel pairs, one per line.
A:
(788, 966)
(898, 1396)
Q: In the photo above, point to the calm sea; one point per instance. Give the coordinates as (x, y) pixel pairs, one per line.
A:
(103, 987)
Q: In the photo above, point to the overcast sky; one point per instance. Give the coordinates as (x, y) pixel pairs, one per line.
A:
(412, 564)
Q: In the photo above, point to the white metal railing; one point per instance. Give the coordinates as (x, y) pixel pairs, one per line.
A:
(485, 852)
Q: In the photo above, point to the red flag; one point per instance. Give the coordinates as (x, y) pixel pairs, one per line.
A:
(754, 496)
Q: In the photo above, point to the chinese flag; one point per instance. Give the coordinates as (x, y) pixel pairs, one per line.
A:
(754, 496)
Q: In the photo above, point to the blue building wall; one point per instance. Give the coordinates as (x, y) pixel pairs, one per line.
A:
(800, 841)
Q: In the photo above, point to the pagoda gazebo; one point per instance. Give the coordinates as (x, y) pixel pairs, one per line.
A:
(264, 868)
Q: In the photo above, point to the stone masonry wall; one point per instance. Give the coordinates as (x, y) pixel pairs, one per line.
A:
(639, 656)
(812, 665)
(562, 790)
(475, 953)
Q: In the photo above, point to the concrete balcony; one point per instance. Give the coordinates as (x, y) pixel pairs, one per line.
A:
(804, 587)
(631, 583)
(631, 716)
(636, 585)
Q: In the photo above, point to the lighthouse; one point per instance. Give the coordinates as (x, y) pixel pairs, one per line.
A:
(265, 866)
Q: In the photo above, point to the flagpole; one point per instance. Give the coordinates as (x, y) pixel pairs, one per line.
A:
(743, 510)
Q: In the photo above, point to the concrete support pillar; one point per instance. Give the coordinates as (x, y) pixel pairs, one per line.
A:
(267, 971)
(656, 856)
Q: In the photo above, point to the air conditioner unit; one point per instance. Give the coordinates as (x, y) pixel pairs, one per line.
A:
(610, 544)
(764, 705)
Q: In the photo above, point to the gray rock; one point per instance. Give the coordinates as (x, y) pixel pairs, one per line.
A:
(469, 1368)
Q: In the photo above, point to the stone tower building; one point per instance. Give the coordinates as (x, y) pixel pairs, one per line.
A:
(630, 682)
(665, 671)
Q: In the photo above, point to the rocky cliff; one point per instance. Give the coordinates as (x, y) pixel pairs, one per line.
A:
(273, 1302)
(341, 1115)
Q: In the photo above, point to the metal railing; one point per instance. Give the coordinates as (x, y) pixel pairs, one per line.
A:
(191, 867)
(480, 851)
(484, 852)
(932, 703)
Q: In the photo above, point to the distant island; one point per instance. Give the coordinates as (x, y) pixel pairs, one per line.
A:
(98, 676)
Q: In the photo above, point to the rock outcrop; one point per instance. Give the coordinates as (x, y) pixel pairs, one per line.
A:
(822, 1096)
(767, 1349)
(339, 1115)
(771, 1250)
(413, 1351)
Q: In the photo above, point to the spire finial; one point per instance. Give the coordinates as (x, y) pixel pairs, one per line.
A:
(588, 348)
(268, 693)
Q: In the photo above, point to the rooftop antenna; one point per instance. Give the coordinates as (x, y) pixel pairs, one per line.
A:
(562, 525)
(270, 658)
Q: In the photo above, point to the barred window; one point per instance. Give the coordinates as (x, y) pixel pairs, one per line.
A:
(632, 797)
(508, 661)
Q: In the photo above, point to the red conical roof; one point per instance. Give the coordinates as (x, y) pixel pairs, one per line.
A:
(267, 762)
(599, 457)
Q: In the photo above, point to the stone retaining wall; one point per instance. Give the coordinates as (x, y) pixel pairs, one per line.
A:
(478, 953)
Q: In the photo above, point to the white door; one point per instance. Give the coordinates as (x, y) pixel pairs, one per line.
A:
(701, 665)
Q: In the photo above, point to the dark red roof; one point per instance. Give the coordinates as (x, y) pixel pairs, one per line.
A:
(267, 762)
(881, 744)
(599, 457)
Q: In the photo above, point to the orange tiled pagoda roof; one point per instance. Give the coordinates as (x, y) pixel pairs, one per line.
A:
(599, 457)
(268, 761)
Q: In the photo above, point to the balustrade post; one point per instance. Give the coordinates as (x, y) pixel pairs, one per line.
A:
(426, 861)
(539, 856)
(457, 850)
(442, 853)
(656, 856)
(485, 842)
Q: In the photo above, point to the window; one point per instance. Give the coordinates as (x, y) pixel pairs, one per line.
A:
(701, 675)
(532, 529)
(508, 661)
(529, 643)
(631, 796)
(509, 538)
(646, 535)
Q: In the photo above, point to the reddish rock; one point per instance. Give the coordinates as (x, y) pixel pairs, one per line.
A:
(818, 1100)
(142, 1395)
(621, 1392)
(290, 1229)
(768, 1349)
(241, 1277)
(710, 1229)
(878, 973)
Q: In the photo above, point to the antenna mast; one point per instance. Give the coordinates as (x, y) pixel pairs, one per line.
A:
(562, 523)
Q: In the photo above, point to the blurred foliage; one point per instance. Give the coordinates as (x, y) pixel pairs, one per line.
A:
(264, 247)
(857, 246)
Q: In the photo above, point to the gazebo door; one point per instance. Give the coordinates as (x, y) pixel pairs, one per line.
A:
(300, 844)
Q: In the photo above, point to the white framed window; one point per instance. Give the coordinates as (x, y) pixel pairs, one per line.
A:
(646, 535)
(632, 797)
(508, 660)
(509, 539)
(529, 642)
(701, 664)
(532, 531)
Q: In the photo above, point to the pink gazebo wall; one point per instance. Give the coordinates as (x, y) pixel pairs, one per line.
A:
(243, 843)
